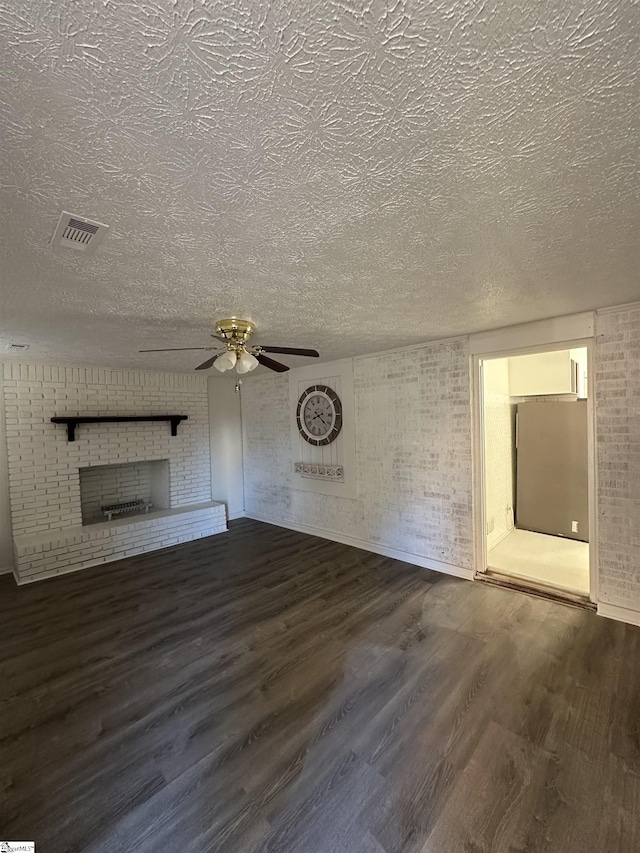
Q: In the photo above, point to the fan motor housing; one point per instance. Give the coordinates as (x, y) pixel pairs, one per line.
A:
(235, 331)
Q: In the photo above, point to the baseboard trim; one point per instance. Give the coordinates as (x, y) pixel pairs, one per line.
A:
(383, 550)
(240, 514)
(620, 614)
(6, 570)
(493, 543)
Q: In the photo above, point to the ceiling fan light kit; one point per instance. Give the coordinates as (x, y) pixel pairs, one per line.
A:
(234, 334)
(246, 363)
(226, 361)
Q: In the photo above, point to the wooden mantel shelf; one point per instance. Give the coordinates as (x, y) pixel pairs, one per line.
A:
(72, 422)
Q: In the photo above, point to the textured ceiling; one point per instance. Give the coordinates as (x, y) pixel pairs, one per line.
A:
(349, 175)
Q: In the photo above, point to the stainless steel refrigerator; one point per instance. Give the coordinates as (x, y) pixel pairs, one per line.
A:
(551, 468)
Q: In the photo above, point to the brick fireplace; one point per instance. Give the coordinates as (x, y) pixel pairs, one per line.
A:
(54, 484)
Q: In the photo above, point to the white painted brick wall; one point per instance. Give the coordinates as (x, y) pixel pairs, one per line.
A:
(44, 480)
(44, 467)
(413, 455)
(76, 548)
(617, 386)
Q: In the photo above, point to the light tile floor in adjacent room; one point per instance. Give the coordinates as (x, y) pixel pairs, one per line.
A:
(551, 560)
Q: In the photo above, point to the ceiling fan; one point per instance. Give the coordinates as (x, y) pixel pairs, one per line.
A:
(234, 334)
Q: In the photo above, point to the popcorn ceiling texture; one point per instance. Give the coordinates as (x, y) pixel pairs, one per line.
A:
(386, 171)
(413, 455)
(617, 383)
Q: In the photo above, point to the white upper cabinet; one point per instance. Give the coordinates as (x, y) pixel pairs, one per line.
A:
(562, 372)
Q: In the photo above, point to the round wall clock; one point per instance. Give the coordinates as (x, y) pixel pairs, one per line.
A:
(319, 415)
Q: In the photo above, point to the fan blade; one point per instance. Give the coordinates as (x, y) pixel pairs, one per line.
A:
(173, 349)
(292, 351)
(206, 364)
(271, 364)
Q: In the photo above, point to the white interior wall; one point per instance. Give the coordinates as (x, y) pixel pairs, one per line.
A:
(413, 446)
(225, 423)
(499, 450)
(413, 458)
(580, 355)
(6, 535)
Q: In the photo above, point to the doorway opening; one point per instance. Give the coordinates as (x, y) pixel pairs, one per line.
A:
(536, 442)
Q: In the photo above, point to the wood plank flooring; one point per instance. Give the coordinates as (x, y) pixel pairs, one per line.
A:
(263, 690)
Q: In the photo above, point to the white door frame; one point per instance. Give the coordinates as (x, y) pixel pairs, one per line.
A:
(479, 508)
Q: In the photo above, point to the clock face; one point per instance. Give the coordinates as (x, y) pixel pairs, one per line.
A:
(319, 415)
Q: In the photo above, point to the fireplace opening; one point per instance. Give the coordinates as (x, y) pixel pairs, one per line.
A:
(118, 492)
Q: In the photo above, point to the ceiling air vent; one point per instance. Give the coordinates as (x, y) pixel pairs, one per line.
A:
(17, 347)
(78, 232)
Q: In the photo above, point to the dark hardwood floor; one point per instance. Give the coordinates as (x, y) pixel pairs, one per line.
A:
(263, 690)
